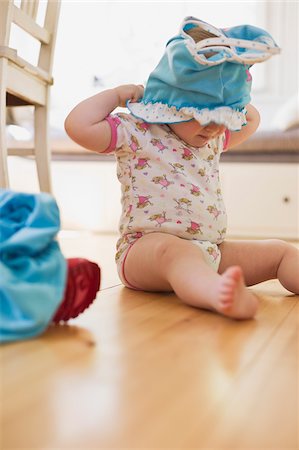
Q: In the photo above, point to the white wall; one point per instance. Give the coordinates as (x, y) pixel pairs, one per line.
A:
(121, 42)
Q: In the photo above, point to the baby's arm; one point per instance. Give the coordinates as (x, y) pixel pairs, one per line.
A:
(253, 120)
(86, 123)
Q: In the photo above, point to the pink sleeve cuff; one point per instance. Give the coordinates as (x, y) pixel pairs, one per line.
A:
(113, 141)
(226, 140)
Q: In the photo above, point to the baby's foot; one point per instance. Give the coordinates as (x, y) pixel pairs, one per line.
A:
(234, 299)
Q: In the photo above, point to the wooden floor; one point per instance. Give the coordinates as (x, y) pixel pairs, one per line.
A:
(140, 371)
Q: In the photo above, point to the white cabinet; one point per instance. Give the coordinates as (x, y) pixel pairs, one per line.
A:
(87, 192)
(261, 199)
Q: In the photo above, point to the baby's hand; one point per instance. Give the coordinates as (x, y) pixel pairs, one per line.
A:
(212, 130)
(127, 92)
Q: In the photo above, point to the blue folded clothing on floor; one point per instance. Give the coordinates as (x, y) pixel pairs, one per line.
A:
(32, 267)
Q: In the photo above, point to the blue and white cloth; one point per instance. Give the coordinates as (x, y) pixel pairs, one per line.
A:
(32, 267)
(207, 80)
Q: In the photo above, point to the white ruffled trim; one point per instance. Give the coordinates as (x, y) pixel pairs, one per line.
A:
(161, 113)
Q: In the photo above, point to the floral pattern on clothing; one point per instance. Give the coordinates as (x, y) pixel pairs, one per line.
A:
(168, 186)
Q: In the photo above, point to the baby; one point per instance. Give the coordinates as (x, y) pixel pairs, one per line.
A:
(195, 106)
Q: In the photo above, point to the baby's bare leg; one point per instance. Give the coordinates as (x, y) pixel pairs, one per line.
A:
(163, 262)
(263, 260)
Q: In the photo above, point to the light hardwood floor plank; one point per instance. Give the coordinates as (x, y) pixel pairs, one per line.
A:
(141, 370)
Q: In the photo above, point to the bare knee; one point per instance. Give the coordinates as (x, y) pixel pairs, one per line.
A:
(259, 259)
(287, 270)
(278, 246)
(278, 249)
(148, 261)
(166, 248)
(159, 249)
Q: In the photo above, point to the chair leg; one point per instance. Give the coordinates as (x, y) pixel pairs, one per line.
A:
(4, 183)
(42, 148)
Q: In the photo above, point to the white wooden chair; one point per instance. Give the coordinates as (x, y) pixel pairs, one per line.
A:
(22, 83)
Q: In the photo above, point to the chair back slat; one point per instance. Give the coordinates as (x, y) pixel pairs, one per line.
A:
(5, 22)
(28, 24)
(24, 14)
(30, 7)
(46, 55)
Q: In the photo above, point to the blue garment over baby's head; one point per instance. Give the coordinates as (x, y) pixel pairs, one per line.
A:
(204, 75)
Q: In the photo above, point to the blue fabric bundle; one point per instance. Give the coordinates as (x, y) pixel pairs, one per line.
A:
(206, 79)
(32, 267)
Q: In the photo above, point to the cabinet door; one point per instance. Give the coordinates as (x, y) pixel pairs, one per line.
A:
(261, 199)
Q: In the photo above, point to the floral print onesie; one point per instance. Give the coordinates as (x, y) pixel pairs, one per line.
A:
(167, 186)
